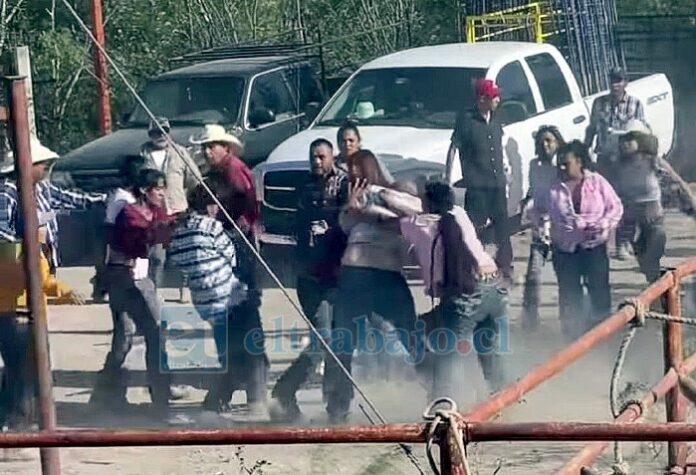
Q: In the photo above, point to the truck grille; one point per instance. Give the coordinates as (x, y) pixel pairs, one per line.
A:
(280, 196)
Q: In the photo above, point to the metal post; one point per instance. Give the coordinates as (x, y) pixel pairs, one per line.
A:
(23, 69)
(674, 355)
(100, 68)
(50, 457)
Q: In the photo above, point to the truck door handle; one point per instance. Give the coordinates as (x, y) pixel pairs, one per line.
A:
(579, 119)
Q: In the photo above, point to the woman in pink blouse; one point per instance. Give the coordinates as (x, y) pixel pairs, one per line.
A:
(583, 209)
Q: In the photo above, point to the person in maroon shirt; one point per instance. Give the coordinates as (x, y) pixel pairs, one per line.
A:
(139, 226)
(233, 183)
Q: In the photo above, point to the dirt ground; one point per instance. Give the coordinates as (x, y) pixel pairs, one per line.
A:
(80, 338)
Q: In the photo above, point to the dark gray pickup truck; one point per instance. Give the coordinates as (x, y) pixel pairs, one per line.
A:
(259, 95)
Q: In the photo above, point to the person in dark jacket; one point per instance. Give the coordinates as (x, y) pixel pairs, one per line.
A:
(478, 135)
(320, 245)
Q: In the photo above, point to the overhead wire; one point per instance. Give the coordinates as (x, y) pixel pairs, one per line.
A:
(407, 450)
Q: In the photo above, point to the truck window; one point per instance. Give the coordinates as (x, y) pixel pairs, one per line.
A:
(270, 91)
(303, 80)
(192, 100)
(552, 84)
(407, 97)
(517, 102)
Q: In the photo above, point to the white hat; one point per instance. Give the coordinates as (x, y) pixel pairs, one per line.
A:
(216, 133)
(365, 110)
(39, 154)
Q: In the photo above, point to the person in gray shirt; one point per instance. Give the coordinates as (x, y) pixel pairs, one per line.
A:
(638, 185)
(543, 173)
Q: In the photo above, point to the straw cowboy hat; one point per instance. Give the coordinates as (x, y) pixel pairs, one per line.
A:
(216, 133)
(39, 154)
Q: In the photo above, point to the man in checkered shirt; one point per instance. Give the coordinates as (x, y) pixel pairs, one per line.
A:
(49, 198)
(611, 114)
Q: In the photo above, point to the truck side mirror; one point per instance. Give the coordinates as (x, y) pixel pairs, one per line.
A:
(261, 116)
(124, 118)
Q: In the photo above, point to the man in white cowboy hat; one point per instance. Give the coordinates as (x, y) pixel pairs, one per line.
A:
(49, 198)
(233, 183)
(163, 154)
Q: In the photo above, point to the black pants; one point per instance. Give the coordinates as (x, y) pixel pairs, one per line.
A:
(367, 297)
(575, 271)
(240, 344)
(317, 303)
(483, 204)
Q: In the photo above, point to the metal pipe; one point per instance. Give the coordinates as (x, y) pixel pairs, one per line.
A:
(513, 393)
(631, 414)
(50, 458)
(401, 433)
(100, 68)
(393, 433)
(674, 355)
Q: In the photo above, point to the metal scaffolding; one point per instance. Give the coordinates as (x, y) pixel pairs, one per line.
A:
(583, 30)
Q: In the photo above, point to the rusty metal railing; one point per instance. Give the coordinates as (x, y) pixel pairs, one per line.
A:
(471, 426)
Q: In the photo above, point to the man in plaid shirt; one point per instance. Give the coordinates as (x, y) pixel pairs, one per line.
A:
(49, 198)
(612, 113)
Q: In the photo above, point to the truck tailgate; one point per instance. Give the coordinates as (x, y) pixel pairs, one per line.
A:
(655, 92)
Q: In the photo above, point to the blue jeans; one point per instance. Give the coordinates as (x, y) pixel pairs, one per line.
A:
(475, 318)
(377, 296)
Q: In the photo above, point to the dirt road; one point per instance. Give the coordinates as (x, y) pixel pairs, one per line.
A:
(80, 339)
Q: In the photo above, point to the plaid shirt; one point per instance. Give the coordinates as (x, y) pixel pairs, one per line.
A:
(206, 255)
(608, 116)
(48, 198)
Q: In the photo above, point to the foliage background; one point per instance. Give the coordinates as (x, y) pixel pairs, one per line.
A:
(142, 35)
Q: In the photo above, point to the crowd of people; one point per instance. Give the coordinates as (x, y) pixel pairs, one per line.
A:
(354, 227)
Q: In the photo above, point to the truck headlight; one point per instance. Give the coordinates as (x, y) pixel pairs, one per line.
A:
(258, 182)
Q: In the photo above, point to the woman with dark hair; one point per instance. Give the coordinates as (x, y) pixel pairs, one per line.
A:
(137, 227)
(543, 173)
(371, 289)
(583, 210)
(349, 142)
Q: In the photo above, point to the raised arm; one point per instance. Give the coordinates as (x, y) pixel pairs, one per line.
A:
(62, 198)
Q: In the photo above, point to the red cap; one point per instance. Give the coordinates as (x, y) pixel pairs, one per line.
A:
(487, 88)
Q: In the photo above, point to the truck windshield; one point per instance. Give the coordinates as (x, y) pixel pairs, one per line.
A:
(411, 97)
(192, 101)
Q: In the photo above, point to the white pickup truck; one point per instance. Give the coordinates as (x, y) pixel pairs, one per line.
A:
(405, 105)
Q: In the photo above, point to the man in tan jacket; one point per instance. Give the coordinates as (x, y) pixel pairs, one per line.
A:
(182, 175)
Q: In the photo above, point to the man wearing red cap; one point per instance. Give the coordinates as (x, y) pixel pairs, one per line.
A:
(478, 135)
